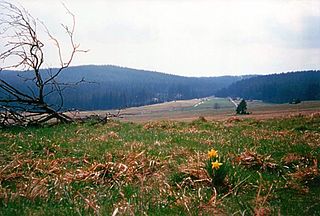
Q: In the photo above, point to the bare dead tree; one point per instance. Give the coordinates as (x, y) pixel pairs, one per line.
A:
(27, 102)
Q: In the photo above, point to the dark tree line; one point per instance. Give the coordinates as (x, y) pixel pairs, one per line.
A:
(277, 88)
(112, 87)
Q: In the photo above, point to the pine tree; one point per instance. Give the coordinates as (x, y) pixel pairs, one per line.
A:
(242, 108)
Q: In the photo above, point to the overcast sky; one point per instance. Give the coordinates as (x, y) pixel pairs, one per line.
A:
(191, 37)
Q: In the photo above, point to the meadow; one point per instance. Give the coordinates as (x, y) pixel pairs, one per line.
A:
(212, 108)
(159, 167)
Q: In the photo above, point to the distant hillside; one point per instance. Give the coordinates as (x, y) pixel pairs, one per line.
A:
(277, 88)
(110, 87)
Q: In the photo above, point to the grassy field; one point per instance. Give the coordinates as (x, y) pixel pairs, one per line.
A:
(269, 167)
(213, 109)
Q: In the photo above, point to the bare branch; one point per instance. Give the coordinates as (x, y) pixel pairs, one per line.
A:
(24, 50)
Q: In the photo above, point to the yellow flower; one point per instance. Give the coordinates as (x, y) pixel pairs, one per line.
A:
(213, 153)
(216, 165)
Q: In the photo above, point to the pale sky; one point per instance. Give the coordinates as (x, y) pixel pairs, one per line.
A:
(190, 37)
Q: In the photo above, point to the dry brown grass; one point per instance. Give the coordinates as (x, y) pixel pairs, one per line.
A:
(131, 168)
(252, 159)
(35, 177)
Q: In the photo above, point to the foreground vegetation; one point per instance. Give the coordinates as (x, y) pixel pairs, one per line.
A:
(161, 168)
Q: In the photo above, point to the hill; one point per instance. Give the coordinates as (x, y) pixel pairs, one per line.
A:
(277, 88)
(111, 87)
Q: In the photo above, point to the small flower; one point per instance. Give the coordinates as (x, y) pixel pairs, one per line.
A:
(213, 153)
(216, 165)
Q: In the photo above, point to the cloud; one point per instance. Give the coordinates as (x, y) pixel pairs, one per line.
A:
(305, 36)
(122, 33)
(191, 37)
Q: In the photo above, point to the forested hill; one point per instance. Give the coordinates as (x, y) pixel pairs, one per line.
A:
(110, 87)
(119, 87)
(277, 88)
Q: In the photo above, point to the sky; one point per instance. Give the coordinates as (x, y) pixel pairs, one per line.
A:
(188, 37)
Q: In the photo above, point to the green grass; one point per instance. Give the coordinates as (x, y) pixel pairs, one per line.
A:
(158, 168)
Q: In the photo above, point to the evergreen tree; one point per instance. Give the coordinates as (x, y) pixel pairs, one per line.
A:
(242, 108)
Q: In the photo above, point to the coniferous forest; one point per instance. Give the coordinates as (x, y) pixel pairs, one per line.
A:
(113, 87)
(277, 88)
